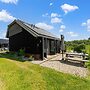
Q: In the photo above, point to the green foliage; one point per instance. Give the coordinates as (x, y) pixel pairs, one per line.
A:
(76, 43)
(79, 48)
(87, 49)
(21, 52)
(31, 58)
(12, 55)
(69, 48)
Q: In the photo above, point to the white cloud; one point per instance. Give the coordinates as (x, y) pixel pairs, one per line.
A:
(51, 4)
(9, 1)
(56, 20)
(84, 24)
(87, 24)
(62, 28)
(3, 34)
(45, 15)
(72, 34)
(5, 16)
(68, 8)
(54, 15)
(44, 26)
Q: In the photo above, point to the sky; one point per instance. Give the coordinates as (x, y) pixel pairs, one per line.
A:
(70, 18)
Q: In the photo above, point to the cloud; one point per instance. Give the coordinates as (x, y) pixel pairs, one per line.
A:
(68, 8)
(54, 15)
(87, 24)
(62, 28)
(51, 4)
(45, 15)
(84, 24)
(3, 34)
(56, 20)
(9, 1)
(72, 34)
(44, 26)
(5, 16)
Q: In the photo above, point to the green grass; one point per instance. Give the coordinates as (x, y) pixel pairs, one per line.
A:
(87, 49)
(16, 75)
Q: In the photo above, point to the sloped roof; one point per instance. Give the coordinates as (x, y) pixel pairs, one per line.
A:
(35, 31)
(4, 41)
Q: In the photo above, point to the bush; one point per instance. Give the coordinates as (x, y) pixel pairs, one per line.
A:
(31, 58)
(79, 48)
(21, 52)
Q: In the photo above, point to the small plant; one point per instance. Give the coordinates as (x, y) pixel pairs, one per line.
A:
(31, 58)
(21, 52)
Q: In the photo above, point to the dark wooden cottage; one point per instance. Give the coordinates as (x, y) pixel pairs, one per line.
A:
(32, 39)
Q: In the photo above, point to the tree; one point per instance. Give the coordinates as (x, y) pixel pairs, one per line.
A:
(79, 48)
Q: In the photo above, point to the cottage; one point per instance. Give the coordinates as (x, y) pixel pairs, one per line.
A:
(32, 39)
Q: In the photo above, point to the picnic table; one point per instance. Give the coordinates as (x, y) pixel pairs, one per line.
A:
(80, 57)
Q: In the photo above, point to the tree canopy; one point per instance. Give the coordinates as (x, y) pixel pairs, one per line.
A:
(77, 45)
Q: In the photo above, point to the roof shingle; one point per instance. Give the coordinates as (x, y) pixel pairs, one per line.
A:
(35, 31)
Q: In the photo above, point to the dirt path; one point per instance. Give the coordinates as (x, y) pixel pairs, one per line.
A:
(56, 63)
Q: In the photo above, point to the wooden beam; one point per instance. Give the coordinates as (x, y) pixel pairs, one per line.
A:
(46, 48)
(42, 56)
(55, 46)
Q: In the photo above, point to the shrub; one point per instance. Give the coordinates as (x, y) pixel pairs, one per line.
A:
(31, 58)
(21, 52)
(79, 48)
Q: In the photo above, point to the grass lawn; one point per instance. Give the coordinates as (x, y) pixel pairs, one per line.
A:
(16, 75)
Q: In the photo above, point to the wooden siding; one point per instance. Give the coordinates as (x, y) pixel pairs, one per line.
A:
(14, 29)
(19, 38)
(26, 41)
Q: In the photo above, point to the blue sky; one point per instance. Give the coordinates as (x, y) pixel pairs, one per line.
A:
(68, 17)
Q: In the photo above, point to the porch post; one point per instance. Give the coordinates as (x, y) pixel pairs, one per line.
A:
(46, 48)
(42, 56)
(55, 46)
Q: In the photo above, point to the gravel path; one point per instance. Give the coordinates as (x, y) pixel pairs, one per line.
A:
(56, 63)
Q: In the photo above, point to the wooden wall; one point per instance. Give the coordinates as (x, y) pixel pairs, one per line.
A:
(25, 41)
(39, 46)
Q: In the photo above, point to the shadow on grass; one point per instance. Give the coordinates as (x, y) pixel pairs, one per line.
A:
(11, 56)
